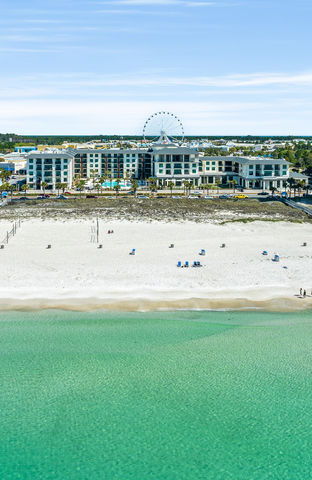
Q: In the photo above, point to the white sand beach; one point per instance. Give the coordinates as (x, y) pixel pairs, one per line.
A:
(76, 274)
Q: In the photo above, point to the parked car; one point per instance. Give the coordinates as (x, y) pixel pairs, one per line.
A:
(197, 193)
(224, 196)
(24, 198)
(143, 196)
(193, 197)
(67, 193)
(43, 196)
(240, 196)
(61, 197)
(91, 196)
(208, 197)
(161, 196)
(263, 193)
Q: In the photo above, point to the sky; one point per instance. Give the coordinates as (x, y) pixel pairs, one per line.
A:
(224, 67)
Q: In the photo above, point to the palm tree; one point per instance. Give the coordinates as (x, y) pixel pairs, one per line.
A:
(11, 189)
(273, 190)
(134, 185)
(290, 183)
(218, 183)
(44, 185)
(185, 182)
(25, 187)
(190, 186)
(117, 188)
(81, 185)
(300, 185)
(102, 180)
(58, 185)
(93, 176)
(63, 187)
(171, 185)
(233, 183)
(98, 187)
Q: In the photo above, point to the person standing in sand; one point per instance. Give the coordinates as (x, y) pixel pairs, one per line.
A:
(300, 291)
(304, 293)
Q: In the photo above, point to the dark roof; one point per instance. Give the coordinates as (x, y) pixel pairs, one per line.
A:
(298, 175)
(109, 151)
(249, 161)
(175, 151)
(37, 154)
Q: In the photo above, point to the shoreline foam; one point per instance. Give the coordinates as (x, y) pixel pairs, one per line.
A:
(88, 304)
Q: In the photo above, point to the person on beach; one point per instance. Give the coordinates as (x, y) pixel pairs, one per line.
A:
(300, 288)
(304, 293)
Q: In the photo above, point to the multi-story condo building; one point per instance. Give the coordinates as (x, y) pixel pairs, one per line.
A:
(166, 163)
(176, 164)
(118, 163)
(50, 167)
(249, 172)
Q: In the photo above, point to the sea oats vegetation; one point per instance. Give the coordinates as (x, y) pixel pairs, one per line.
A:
(153, 209)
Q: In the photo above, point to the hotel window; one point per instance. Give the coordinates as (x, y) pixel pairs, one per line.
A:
(96, 154)
(168, 172)
(213, 163)
(194, 171)
(91, 154)
(161, 165)
(96, 164)
(186, 171)
(213, 168)
(161, 171)
(194, 165)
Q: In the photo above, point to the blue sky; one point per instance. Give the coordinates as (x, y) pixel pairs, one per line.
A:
(225, 67)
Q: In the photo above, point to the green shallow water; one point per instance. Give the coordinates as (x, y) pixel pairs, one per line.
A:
(166, 395)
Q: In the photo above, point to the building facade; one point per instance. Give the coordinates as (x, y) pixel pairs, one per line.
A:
(165, 163)
(248, 172)
(50, 167)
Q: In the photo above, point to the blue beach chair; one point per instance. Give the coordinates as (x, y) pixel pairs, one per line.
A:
(179, 264)
(133, 252)
(186, 264)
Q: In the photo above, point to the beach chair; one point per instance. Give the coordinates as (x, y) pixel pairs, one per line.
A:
(49, 246)
(199, 264)
(172, 245)
(276, 258)
(195, 264)
(100, 246)
(264, 252)
(179, 264)
(1, 246)
(304, 244)
(186, 264)
(133, 252)
(223, 245)
(203, 252)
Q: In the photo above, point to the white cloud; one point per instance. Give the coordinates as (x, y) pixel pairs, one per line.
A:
(126, 117)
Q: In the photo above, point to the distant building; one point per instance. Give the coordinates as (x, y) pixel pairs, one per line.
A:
(24, 149)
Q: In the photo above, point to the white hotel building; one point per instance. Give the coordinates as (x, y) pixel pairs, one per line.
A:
(165, 163)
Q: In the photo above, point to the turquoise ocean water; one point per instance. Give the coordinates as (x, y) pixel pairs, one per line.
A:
(163, 395)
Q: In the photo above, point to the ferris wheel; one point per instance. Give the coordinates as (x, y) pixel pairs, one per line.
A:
(163, 127)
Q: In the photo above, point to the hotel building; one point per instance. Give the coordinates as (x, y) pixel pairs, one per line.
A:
(165, 163)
